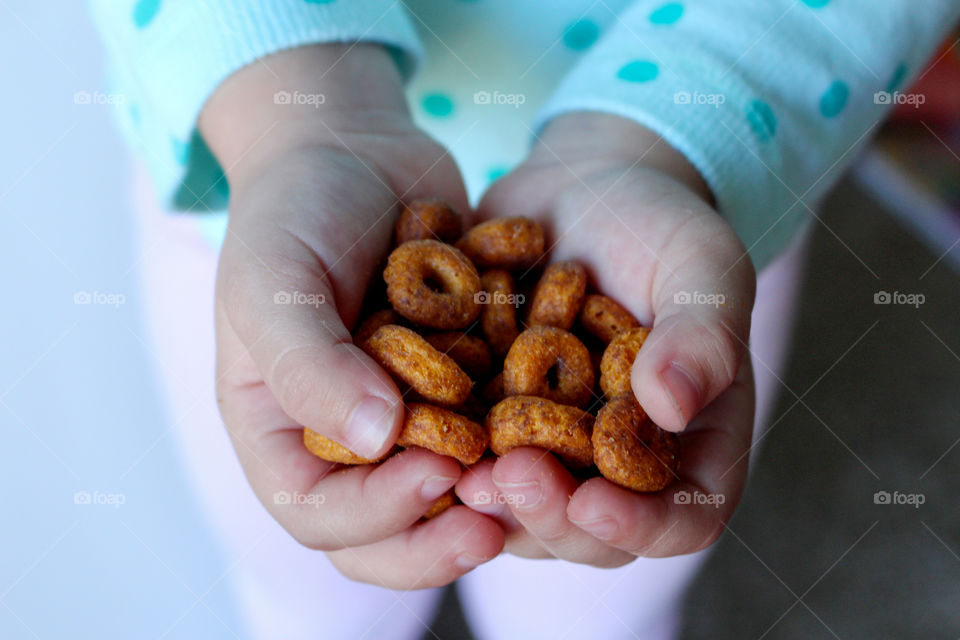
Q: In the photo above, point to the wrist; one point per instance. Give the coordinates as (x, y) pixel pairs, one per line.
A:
(587, 142)
(311, 96)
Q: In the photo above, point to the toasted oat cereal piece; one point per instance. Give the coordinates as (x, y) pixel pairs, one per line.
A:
(443, 432)
(528, 421)
(550, 363)
(631, 451)
(558, 296)
(618, 360)
(605, 317)
(433, 284)
(409, 357)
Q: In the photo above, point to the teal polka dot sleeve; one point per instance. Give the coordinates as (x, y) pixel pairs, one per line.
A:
(769, 99)
(167, 56)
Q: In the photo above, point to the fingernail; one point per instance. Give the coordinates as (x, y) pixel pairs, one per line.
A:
(466, 562)
(683, 389)
(602, 528)
(523, 495)
(368, 427)
(435, 486)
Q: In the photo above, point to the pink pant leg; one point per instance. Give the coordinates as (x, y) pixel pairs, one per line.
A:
(282, 589)
(516, 598)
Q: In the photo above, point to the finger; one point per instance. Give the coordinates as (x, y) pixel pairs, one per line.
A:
(537, 490)
(477, 490)
(702, 303)
(690, 514)
(430, 554)
(283, 293)
(326, 506)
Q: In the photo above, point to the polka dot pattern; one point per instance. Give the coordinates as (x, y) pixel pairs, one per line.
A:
(581, 34)
(667, 14)
(638, 71)
(438, 105)
(144, 11)
(761, 119)
(899, 74)
(834, 99)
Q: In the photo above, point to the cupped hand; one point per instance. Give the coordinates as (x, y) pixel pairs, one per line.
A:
(315, 189)
(619, 200)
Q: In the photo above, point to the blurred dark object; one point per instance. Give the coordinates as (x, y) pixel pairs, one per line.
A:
(914, 165)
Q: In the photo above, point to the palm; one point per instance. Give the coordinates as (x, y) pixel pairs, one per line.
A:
(643, 238)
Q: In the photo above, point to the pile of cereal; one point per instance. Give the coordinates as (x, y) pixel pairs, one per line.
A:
(472, 381)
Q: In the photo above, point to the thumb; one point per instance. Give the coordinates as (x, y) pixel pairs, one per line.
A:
(701, 329)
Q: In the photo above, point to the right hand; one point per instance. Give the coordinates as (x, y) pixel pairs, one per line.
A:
(314, 193)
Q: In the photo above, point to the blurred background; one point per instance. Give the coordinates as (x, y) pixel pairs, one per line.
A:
(851, 526)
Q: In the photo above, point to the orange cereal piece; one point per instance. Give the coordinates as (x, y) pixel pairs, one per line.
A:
(440, 505)
(433, 284)
(617, 361)
(498, 317)
(409, 357)
(605, 317)
(508, 243)
(527, 421)
(470, 352)
(558, 296)
(428, 218)
(333, 451)
(631, 451)
(376, 320)
(443, 432)
(550, 363)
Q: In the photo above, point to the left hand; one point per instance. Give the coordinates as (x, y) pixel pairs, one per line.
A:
(615, 197)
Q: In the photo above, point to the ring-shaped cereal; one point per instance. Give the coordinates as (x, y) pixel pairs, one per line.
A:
(605, 318)
(440, 505)
(332, 451)
(630, 450)
(617, 361)
(527, 421)
(558, 296)
(428, 218)
(433, 284)
(409, 357)
(444, 432)
(470, 352)
(373, 322)
(550, 363)
(498, 318)
(507, 243)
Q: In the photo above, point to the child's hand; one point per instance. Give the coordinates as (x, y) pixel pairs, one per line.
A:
(637, 215)
(314, 193)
